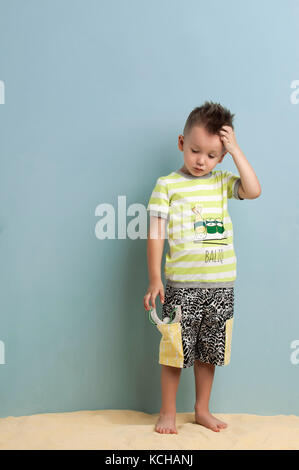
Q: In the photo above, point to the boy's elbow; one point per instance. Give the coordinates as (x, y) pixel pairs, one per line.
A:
(258, 194)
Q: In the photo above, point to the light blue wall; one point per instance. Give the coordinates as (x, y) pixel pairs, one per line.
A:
(96, 93)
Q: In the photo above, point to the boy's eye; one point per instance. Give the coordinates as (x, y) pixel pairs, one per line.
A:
(194, 151)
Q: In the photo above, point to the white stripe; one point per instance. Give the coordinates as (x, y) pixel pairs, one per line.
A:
(195, 189)
(179, 231)
(177, 178)
(168, 180)
(178, 218)
(199, 264)
(158, 208)
(159, 195)
(191, 238)
(200, 251)
(197, 199)
(199, 277)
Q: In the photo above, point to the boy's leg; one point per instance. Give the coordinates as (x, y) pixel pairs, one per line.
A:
(170, 377)
(213, 348)
(204, 376)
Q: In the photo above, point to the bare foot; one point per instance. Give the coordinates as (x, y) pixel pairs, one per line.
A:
(209, 421)
(166, 424)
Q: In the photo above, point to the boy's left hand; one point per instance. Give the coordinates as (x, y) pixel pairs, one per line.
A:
(228, 139)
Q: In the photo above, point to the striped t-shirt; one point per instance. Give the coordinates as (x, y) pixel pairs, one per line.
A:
(199, 228)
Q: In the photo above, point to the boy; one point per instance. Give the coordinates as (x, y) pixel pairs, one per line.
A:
(200, 267)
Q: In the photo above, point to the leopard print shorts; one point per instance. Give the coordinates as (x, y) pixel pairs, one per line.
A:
(206, 322)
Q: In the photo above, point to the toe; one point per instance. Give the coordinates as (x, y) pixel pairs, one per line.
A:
(223, 423)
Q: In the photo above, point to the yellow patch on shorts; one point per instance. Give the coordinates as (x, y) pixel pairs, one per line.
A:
(228, 340)
(171, 347)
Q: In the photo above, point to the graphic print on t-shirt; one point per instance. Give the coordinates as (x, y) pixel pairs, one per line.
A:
(207, 229)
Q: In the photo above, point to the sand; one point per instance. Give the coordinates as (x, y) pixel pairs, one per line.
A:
(126, 429)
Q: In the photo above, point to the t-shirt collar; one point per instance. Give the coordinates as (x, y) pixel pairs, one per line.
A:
(192, 177)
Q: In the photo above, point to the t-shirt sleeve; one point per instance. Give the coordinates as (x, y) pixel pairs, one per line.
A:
(233, 183)
(158, 204)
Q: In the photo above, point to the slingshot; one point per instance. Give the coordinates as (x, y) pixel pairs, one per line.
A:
(175, 316)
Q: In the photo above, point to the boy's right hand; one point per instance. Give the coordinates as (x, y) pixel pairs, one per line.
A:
(155, 288)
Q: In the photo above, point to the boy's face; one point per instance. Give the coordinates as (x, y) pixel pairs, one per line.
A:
(202, 151)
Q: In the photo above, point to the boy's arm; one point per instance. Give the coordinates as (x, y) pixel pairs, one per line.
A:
(250, 187)
(155, 247)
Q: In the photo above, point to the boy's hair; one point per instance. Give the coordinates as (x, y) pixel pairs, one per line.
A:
(212, 116)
